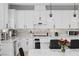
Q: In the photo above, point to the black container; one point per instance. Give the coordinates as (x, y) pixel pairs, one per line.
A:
(56, 33)
(37, 39)
(73, 32)
(37, 45)
(74, 44)
(21, 51)
(54, 44)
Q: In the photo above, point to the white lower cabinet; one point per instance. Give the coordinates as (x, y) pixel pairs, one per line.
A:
(7, 49)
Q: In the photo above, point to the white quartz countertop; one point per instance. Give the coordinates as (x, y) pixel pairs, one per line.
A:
(53, 52)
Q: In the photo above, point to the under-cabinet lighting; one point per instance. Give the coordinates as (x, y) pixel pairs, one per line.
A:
(5, 30)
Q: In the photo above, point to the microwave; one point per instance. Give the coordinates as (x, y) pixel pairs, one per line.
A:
(73, 32)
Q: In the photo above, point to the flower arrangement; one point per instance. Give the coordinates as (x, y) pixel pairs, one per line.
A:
(63, 43)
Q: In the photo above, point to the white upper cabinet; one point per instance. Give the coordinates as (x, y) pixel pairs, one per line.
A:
(12, 18)
(74, 21)
(62, 19)
(39, 18)
(3, 15)
(49, 20)
(24, 19)
(28, 20)
(20, 19)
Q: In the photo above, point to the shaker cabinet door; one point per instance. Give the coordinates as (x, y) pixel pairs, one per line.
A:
(19, 19)
(3, 15)
(62, 19)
